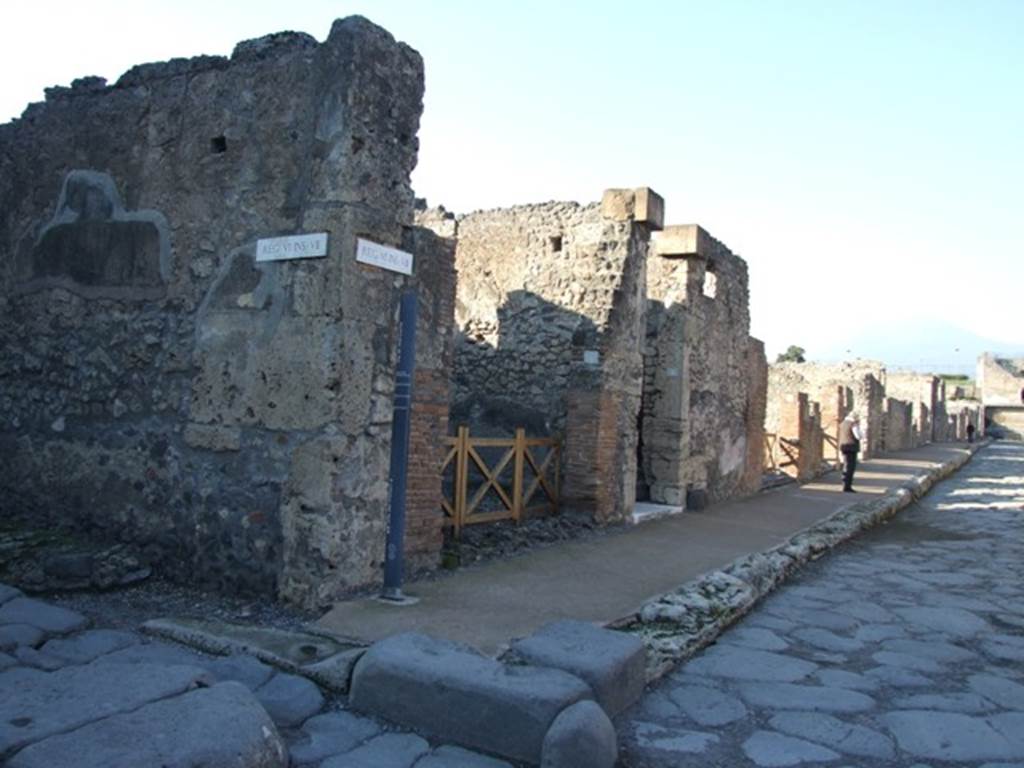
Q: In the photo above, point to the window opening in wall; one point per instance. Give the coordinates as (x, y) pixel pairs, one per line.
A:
(218, 145)
(710, 282)
(556, 243)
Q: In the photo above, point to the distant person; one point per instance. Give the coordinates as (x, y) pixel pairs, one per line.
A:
(849, 445)
(970, 432)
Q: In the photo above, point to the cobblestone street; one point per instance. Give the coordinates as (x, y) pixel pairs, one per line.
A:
(903, 648)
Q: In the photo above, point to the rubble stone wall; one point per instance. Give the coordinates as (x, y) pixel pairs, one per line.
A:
(899, 433)
(841, 388)
(157, 383)
(549, 315)
(1000, 380)
(922, 392)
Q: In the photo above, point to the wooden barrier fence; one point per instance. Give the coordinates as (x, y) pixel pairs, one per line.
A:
(509, 485)
(780, 452)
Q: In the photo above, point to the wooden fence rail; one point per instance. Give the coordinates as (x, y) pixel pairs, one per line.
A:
(780, 452)
(509, 484)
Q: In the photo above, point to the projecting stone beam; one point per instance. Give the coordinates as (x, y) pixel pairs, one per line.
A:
(681, 240)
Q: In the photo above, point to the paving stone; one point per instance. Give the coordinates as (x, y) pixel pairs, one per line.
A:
(658, 706)
(13, 635)
(652, 736)
(156, 652)
(241, 668)
(329, 734)
(826, 640)
(222, 726)
(865, 611)
(835, 733)
(1003, 651)
(770, 622)
(968, 703)
(89, 645)
(8, 592)
(947, 736)
(392, 750)
(898, 678)
(955, 621)
(30, 657)
(51, 618)
(611, 663)
(456, 757)
(755, 637)
(456, 695)
(1011, 726)
(841, 678)
(769, 749)
(6, 662)
(1005, 693)
(930, 649)
(811, 697)
(290, 699)
(40, 704)
(834, 659)
(823, 618)
(707, 706)
(874, 633)
(746, 664)
(581, 736)
(906, 661)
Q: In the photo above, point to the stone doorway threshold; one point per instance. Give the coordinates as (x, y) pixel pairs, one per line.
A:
(645, 511)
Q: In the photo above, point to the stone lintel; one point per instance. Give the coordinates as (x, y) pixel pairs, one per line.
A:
(682, 240)
(642, 204)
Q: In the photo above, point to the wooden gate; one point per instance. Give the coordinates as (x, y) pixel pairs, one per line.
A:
(780, 452)
(484, 483)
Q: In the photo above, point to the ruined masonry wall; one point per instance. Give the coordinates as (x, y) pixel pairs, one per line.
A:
(156, 382)
(705, 382)
(860, 385)
(1001, 380)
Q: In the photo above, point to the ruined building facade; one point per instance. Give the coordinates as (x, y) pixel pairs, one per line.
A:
(590, 323)
(1001, 383)
(158, 383)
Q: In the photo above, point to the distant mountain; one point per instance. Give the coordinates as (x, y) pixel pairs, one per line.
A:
(939, 347)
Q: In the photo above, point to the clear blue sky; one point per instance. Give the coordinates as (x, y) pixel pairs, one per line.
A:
(866, 158)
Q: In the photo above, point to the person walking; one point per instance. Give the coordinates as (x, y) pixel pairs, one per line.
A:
(849, 445)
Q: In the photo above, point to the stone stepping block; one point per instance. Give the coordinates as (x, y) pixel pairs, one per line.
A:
(49, 618)
(451, 692)
(611, 663)
(87, 646)
(37, 704)
(289, 699)
(221, 726)
(14, 635)
(331, 734)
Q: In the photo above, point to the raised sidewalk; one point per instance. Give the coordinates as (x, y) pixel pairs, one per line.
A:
(608, 578)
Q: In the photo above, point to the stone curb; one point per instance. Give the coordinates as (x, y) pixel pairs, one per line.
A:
(333, 672)
(678, 624)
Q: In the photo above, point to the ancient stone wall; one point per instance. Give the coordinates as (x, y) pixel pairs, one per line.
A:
(1000, 380)
(922, 392)
(839, 388)
(549, 316)
(157, 382)
(899, 432)
(705, 379)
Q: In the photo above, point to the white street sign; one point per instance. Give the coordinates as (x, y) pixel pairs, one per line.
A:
(292, 247)
(383, 256)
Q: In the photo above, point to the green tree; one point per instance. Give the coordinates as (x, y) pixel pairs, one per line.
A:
(794, 354)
